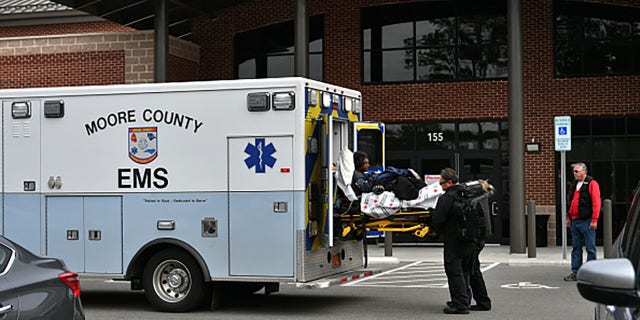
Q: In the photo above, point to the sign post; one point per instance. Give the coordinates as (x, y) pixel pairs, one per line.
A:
(562, 133)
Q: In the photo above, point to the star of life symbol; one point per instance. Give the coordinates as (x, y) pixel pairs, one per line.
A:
(260, 155)
(143, 144)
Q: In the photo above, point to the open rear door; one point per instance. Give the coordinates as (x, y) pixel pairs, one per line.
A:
(369, 137)
(336, 139)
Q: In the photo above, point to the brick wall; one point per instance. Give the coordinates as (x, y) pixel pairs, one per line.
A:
(83, 59)
(67, 28)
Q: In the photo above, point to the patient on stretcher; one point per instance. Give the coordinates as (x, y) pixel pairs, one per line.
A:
(383, 194)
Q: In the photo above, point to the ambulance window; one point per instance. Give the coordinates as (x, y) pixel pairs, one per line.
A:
(21, 110)
(370, 141)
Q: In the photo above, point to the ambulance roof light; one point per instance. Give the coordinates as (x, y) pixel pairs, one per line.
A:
(347, 105)
(284, 100)
(357, 108)
(313, 97)
(258, 101)
(326, 99)
(21, 110)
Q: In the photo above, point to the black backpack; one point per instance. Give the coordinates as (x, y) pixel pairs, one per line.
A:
(471, 207)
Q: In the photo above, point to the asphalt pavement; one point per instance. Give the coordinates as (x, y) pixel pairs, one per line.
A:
(492, 253)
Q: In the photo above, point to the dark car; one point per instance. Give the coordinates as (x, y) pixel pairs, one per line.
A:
(34, 287)
(614, 283)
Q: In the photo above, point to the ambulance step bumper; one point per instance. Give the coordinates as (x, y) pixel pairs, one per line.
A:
(337, 279)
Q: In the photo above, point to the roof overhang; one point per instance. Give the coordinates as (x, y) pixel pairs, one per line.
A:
(139, 14)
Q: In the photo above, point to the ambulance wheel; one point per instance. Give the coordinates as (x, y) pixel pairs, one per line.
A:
(173, 281)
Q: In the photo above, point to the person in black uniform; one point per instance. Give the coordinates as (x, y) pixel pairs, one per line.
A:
(476, 282)
(458, 254)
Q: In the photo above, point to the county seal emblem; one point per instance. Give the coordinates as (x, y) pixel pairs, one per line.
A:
(143, 144)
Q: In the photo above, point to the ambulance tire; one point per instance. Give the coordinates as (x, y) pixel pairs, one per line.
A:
(173, 281)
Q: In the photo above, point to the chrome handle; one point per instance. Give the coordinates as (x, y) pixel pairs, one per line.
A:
(494, 208)
(6, 309)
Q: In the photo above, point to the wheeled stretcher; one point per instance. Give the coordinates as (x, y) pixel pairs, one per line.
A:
(356, 215)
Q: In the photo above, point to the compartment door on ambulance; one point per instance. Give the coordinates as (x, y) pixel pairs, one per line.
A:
(369, 137)
(86, 232)
(261, 226)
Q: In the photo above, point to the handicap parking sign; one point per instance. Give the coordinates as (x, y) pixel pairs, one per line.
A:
(562, 133)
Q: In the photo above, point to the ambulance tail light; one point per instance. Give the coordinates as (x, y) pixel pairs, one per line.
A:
(284, 101)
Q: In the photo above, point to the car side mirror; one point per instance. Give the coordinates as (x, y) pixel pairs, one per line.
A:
(609, 282)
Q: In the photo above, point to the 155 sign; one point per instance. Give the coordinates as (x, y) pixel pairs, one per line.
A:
(435, 136)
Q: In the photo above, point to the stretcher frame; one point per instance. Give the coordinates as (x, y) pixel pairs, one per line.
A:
(353, 225)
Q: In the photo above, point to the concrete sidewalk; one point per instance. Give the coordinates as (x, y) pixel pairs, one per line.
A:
(490, 254)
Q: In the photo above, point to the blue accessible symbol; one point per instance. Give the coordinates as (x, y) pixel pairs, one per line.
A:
(562, 131)
(260, 156)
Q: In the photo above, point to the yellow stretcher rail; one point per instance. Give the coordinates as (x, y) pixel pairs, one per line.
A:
(354, 226)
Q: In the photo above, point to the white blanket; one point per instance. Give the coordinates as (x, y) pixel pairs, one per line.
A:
(385, 204)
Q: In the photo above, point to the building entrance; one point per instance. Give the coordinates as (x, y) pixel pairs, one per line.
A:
(474, 155)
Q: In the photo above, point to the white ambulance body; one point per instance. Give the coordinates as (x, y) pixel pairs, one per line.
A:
(178, 186)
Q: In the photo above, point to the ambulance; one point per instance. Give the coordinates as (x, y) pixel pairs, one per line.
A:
(188, 190)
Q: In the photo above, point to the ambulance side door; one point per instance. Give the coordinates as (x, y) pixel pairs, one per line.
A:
(261, 226)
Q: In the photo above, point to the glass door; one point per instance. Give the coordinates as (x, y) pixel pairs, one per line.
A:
(474, 165)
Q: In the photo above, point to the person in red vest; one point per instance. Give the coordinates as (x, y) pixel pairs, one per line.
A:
(582, 218)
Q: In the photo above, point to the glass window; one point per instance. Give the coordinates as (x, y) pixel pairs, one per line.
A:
(397, 65)
(279, 66)
(436, 64)
(490, 135)
(632, 146)
(592, 39)
(469, 136)
(370, 141)
(430, 41)
(603, 127)
(398, 35)
(435, 32)
(399, 137)
(580, 128)
(247, 69)
(580, 147)
(269, 51)
(633, 125)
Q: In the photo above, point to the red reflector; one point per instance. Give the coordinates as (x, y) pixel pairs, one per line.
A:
(285, 169)
(355, 277)
(343, 280)
(72, 281)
